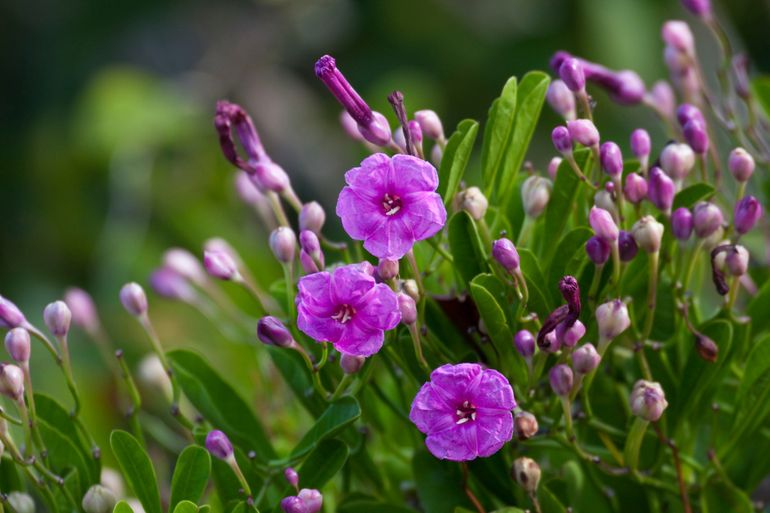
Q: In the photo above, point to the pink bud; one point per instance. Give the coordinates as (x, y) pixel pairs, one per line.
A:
(351, 363)
(18, 345)
(408, 309)
(584, 132)
(11, 381)
(561, 378)
(283, 243)
(603, 224)
(57, 318)
(185, 264)
(220, 265)
(83, 309)
(312, 217)
(430, 124)
(741, 164)
(585, 359)
(134, 299)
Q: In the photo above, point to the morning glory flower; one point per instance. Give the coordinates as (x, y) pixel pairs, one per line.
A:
(391, 203)
(347, 308)
(465, 410)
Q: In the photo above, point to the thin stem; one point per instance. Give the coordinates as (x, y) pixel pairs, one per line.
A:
(341, 387)
(415, 333)
(239, 474)
(652, 291)
(68, 375)
(275, 203)
(571, 160)
(468, 491)
(37, 439)
(289, 280)
(594, 289)
(416, 272)
(319, 388)
(677, 466)
(616, 266)
(133, 395)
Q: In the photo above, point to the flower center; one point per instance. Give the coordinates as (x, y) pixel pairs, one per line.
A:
(391, 204)
(465, 412)
(344, 313)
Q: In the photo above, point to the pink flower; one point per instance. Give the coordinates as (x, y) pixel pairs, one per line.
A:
(390, 203)
(347, 308)
(465, 410)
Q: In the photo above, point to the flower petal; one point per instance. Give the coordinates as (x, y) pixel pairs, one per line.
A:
(493, 430)
(392, 240)
(456, 444)
(411, 174)
(360, 216)
(424, 213)
(380, 309)
(430, 412)
(452, 381)
(373, 178)
(317, 327)
(492, 391)
(358, 341)
(349, 285)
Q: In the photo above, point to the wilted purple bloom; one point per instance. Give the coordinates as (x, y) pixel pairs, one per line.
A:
(627, 246)
(681, 223)
(465, 410)
(391, 203)
(348, 308)
(229, 116)
(219, 445)
(747, 212)
(660, 189)
(624, 87)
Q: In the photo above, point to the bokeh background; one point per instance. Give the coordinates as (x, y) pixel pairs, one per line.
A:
(108, 154)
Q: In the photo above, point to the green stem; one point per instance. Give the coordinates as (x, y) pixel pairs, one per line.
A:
(37, 439)
(342, 387)
(239, 474)
(415, 334)
(416, 272)
(275, 203)
(316, 377)
(134, 397)
(652, 291)
(634, 443)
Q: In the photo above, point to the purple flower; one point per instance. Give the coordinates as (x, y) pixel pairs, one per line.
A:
(598, 250)
(391, 203)
(465, 410)
(747, 212)
(348, 308)
(219, 445)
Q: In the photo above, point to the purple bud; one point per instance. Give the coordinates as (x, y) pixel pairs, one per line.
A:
(350, 126)
(569, 336)
(219, 445)
(635, 189)
(229, 116)
(584, 132)
(309, 266)
(535, 194)
(220, 265)
(170, 284)
(737, 260)
(627, 246)
(18, 345)
(312, 498)
(11, 381)
(408, 309)
(571, 72)
(506, 255)
(561, 100)
(741, 164)
(660, 190)
(707, 348)
(706, 219)
(185, 264)
(700, 8)
(663, 98)
(83, 308)
(134, 299)
(677, 34)
(291, 476)
(648, 234)
(10, 315)
(310, 244)
(524, 342)
(430, 124)
(603, 224)
(648, 400)
(387, 269)
(283, 243)
(550, 342)
(269, 176)
(598, 250)
(293, 504)
(681, 223)
(640, 143)
(585, 359)
(378, 131)
(553, 167)
(740, 67)
(747, 212)
(326, 70)
(570, 291)
(312, 217)
(524, 425)
(351, 363)
(688, 112)
(612, 318)
(677, 160)
(625, 87)
(272, 332)
(415, 132)
(611, 159)
(561, 140)
(695, 134)
(57, 318)
(561, 378)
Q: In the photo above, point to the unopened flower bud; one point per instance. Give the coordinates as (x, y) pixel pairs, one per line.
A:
(312, 217)
(569, 336)
(524, 425)
(387, 269)
(681, 223)
(706, 219)
(18, 345)
(598, 250)
(113, 480)
(408, 309)
(707, 348)
(134, 299)
(584, 132)
(350, 126)
(562, 140)
(677, 34)
(506, 255)
(57, 318)
(526, 472)
(473, 201)
(687, 112)
(272, 332)
(167, 283)
(603, 225)
(677, 160)
(561, 99)
(435, 155)
(648, 400)
(269, 176)
(219, 445)
(661, 190)
(627, 246)
(747, 212)
(310, 244)
(230, 116)
(410, 288)
(561, 378)
(741, 164)
(99, 499)
(10, 315)
(611, 159)
(11, 381)
(553, 167)
(585, 359)
(612, 318)
(306, 501)
(550, 342)
(283, 243)
(430, 124)
(741, 81)
(83, 309)
(377, 131)
(21, 502)
(700, 8)
(524, 342)
(641, 144)
(220, 265)
(662, 97)
(737, 260)
(535, 193)
(696, 136)
(572, 74)
(153, 375)
(351, 363)
(185, 264)
(292, 477)
(648, 233)
(635, 188)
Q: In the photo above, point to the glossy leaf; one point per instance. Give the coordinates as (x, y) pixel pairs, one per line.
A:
(64, 455)
(323, 463)
(338, 415)
(190, 475)
(185, 507)
(570, 252)
(497, 134)
(689, 196)
(137, 469)
(753, 400)
(719, 497)
(466, 246)
(530, 264)
(757, 308)
(296, 374)
(439, 483)
(760, 86)
(455, 158)
(122, 507)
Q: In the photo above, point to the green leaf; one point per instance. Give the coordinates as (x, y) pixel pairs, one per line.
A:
(549, 502)
(530, 263)
(510, 509)
(122, 507)
(137, 469)
(220, 403)
(466, 246)
(497, 134)
(63, 455)
(753, 399)
(761, 89)
(371, 506)
(439, 483)
(455, 158)
(296, 374)
(10, 479)
(190, 475)
(689, 196)
(338, 415)
(757, 308)
(185, 507)
(570, 254)
(718, 497)
(323, 463)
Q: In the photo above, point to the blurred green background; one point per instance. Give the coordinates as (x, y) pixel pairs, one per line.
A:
(108, 154)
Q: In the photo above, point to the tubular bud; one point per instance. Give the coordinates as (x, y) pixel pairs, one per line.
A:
(635, 188)
(83, 309)
(292, 477)
(569, 336)
(134, 299)
(506, 255)
(571, 73)
(603, 225)
(524, 342)
(677, 160)
(271, 331)
(648, 233)
(747, 212)
(707, 348)
(430, 123)
(387, 269)
(562, 140)
(167, 283)
(553, 167)
(283, 243)
(561, 100)
(408, 309)
(661, 190)
(220, 265)
(184, 264)
(473, 201)
(11, 381)
(662, 98)
(737, 260)
(677, 34)
(700, 8)
(641, 144)
(611, 159)
(99, 499)
(696, 136)
(10, 315)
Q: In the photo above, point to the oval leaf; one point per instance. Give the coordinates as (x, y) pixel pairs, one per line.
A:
(190, 475)
(338, 415)
(466, 246)
(455, 158)
(137, 469)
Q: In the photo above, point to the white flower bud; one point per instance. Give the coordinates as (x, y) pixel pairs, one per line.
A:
(535, 193)
(648, 233)
(99, 499)
(612, 318)
(57, 317)
(473, 201)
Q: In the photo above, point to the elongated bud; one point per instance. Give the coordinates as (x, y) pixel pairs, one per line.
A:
(681, 223)
(473, 201)
(134, 299)
(737, 260)
(312, 217)
(435, 155)
(249, 192)
(430, 123)
(687, 112)
(611, 159)
(677, 34)
(585, 359)
(10, 315)
(535, 194)
(627, 246)
(661, 190)
(57, 317)
(641, 144)
(506, 255)
(271, 331)
(524, 342)
(624, 87)
(740, 68)
(696, 136)
(570, 291)
(218, 244)
(662, 97)
(747, 212)
(562, 140)
(572, 74)
(706, 219)
(230, 116)
(184, 264)
(561, 379)
(569, 336)
(220, 265)
(219, 445)
(553, 167)
(612, 318)
(169, 284)
(152, 374)
(598, 250)
(707, 348)
(351, 363)
(21, 502)
(700, 8)
(408, 309)
(18, 345)
(292, 477)
(526, 472)
(603, 225)
(524, 425)
(635, 188)
(561, 100)
(677, 160)
(99, 499)
(11, 381)
(583, 131)
(741, 164)
(387, 269)
(283, 243)
(648, 400)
